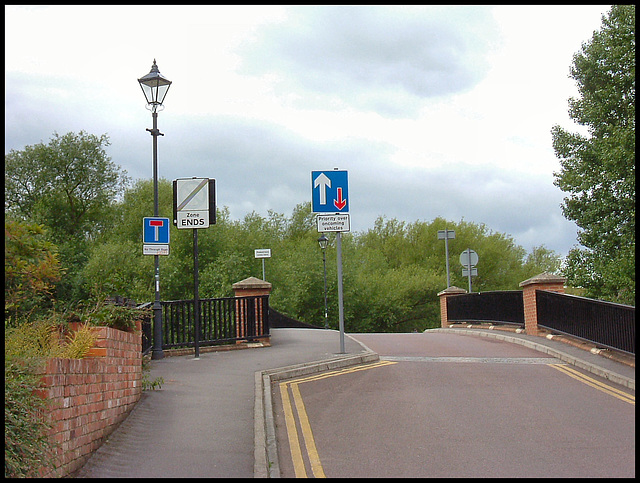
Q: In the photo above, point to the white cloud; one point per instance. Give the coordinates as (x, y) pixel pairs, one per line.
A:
(435, 111)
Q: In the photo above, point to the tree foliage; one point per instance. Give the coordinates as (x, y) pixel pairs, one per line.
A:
(392, 272)
(69, 186)
(31, 269)
(598, 169)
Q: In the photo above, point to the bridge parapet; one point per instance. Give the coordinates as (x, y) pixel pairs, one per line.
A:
(257, 316)
(448, 292)
(544, 281)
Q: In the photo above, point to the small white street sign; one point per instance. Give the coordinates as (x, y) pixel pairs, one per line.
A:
(155, 249)
(333, 223)
(262, 253)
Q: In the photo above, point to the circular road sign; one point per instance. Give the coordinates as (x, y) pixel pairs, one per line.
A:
(468, 258)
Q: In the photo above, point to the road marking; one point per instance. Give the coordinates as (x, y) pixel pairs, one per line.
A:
(309, 442)
(623, 396)
(294, 444)
(484, 360)
(307, 434)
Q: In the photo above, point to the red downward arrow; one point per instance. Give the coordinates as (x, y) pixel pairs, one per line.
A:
(340, 203)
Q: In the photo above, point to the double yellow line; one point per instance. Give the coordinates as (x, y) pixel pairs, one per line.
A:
(305, 427)
(612, 391)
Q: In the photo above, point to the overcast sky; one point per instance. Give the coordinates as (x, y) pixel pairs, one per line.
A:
(433, 110)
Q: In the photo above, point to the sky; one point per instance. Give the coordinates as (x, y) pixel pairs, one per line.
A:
(434, 111)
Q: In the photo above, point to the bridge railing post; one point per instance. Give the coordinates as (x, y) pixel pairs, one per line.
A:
(544, 281)
(251, 287)
(448, 292)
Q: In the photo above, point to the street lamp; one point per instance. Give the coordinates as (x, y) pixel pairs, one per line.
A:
(154, 87)
(323, 241)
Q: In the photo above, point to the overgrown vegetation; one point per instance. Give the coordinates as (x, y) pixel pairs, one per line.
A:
(35, 332)
(26, 445)
(27, 347)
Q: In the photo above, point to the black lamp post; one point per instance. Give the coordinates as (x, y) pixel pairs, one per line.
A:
(155, 86)
(323, 241)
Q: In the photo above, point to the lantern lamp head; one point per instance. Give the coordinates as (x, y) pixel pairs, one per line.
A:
(154, 87)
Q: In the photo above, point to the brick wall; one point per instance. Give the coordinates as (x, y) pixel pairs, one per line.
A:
(544, 281)
(250, 287)
(448, 292)
(91, 396)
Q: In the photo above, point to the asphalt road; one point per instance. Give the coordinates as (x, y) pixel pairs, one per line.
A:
(445, 405)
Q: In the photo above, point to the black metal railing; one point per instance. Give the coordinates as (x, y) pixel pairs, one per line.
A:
(605, 323)
(498, 307)
(147, 329)
(221, 320)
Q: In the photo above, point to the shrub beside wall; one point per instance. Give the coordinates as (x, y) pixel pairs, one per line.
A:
(89, 397)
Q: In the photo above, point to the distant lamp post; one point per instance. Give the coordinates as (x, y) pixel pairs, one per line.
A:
(155, 86)
(323, 241)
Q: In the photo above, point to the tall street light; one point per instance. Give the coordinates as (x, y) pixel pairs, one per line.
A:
(155, 86)
(322, 241)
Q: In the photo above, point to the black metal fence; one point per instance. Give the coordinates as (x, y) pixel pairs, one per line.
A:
(605, 323)
(221, 320)
(147, 329)
(498, 307)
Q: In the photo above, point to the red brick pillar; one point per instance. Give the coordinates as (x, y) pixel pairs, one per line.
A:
(448, 292)
(249, 287)
(544, 281)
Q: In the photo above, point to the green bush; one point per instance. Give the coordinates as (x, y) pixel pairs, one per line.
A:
(114, 316)
(27, 347)
(26, 445)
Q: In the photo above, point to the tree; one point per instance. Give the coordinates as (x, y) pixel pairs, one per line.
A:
(598, 169)
(69, 186)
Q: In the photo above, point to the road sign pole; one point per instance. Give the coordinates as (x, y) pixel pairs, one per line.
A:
(446, 251)
(156, 352)
(196, 295)
(340, 301)
(469, 267)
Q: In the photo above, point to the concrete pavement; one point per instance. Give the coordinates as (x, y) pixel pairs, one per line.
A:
(200, 424)
(213, 416)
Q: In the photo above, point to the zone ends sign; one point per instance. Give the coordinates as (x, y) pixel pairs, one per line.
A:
(194, 203)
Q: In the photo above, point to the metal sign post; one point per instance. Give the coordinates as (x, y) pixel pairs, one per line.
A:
(469, 259)
(262, 253)
(446, 235)
(196, 295)
(330, 194)
(340, 300)
(194, 207)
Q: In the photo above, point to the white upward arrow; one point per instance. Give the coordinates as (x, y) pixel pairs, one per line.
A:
(323, 182)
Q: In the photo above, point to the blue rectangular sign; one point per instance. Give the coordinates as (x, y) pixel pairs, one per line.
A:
(329, 192)
(155, 230)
